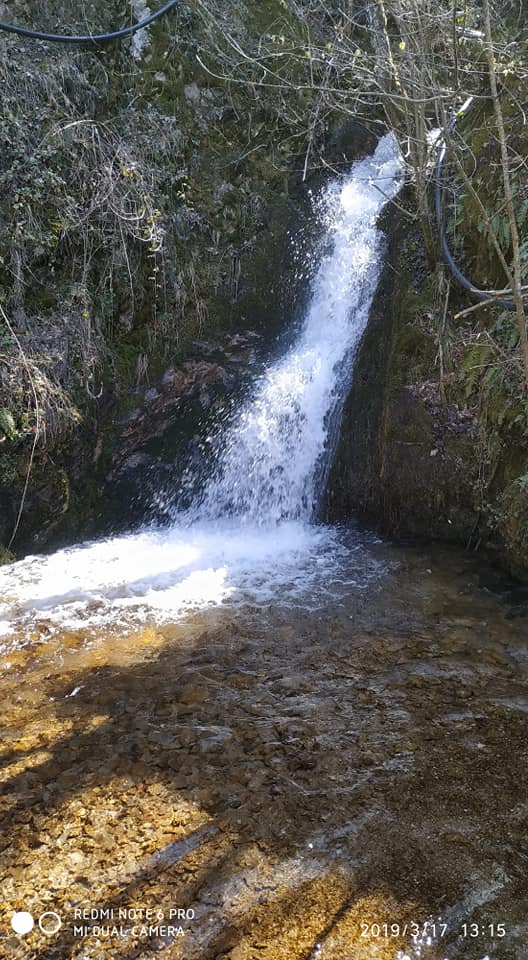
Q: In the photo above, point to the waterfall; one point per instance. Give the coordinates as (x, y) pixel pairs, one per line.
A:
(252, 532)
(269, 460)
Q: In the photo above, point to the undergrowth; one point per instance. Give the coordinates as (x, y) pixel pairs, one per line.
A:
(132, 194)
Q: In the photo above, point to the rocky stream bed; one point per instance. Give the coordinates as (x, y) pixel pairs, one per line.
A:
(292, 777)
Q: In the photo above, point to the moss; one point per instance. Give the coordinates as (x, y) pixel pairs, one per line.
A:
(418, 461)
(6, 556)
(513, 519)
(7, 424)
(413, 347)
(8, 468)
(484, 167)
(208, 172)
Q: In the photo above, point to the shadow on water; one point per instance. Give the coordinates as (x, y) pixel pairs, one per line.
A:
(311, 771)
(288, 776)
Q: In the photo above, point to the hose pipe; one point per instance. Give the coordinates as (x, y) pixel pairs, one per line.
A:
(95, 38)
(440, 219)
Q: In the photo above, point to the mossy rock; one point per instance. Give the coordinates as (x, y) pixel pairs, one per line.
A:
(6, 556)
(513, 525)
(416, 461)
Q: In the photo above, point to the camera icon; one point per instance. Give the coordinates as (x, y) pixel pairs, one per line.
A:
(49, 923)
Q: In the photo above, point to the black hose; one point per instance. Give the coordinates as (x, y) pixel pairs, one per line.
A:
(453, 266)
(89, 38)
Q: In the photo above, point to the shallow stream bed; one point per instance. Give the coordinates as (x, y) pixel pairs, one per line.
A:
(342, 777)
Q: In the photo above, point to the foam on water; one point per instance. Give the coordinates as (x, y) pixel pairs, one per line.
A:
(157, 573)
(251, 534)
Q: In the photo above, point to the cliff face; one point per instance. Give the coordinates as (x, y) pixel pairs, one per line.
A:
(435, 433)
(144, 210)
(426, 449)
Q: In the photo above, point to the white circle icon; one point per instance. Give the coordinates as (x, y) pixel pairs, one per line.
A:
(49, 923)
(22, 922)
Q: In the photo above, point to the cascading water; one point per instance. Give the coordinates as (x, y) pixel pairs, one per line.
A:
(251, 533)
(267, 464)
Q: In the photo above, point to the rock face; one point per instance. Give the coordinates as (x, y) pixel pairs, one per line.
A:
(144, 208)
(152, 447)
(418, 457)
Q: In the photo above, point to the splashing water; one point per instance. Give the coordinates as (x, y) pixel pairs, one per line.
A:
(251, 534)
(269, 463)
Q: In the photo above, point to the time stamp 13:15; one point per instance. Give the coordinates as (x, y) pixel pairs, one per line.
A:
(436, 930)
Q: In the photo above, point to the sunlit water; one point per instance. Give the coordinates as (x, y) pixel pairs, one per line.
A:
(252, 532)
(294, 729)
(298, 772)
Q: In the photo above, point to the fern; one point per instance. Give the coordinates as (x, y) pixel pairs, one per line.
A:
(473, 365)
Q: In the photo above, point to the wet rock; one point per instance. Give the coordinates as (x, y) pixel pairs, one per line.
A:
(193, 694)
(206, 347)
(135, 461)
(150, 396)
(173, 380)
(411, 452)
(202, 372)
(132, 417)
(205, 398)
(192, 94)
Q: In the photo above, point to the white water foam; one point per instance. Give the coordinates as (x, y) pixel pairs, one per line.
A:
(269, 462)
(252, 534)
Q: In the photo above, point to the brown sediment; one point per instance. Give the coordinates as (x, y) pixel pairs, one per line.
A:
(310, 784)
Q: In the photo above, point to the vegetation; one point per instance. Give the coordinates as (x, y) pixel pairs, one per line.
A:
(133, 187)
(135, 182)
(433, 72)
(413, 65)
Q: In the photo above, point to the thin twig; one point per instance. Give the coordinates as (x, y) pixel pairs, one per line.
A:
(37, 425)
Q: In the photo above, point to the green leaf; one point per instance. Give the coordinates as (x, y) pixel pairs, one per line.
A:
(7, 423)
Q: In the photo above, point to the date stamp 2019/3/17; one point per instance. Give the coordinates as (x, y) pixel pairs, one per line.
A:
(433, 929)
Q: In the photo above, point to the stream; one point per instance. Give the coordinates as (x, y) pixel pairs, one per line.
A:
(247, 734)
